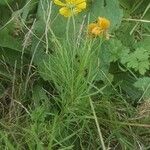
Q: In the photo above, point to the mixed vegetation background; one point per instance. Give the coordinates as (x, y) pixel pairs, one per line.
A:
(62, 89)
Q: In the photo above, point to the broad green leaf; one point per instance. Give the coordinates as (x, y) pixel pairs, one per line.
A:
(109, 9)
(10, 57)
(123, 34)
(9, 41)
(5, 2)
(140, 6)
(95, 9)
(31, 5)
(104, 61)
(4, 18)
(127, 4)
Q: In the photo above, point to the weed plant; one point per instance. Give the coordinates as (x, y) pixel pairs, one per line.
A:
(74, 80)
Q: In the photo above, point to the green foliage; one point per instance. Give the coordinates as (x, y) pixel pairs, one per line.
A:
(104, 8)
(144, 43)
(9, 41)
(144, 85)
(124, 35)
(5, 2)
(61, 88)
(137, 60)
(117, 50)
(95, 10)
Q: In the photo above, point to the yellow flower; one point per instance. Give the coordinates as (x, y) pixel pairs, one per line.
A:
(99, 28)
(103, 23)
(94, 29)
(70, 7)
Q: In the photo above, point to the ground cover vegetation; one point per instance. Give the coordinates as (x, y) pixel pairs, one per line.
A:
(74, 75)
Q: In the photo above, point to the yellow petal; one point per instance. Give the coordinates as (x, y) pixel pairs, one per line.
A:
(58, 2)
(79, 1)
(81, 5)
(103, 23)
(91, 26)
(76, 11)
(94, 29)
(70, 1)
(65, 12)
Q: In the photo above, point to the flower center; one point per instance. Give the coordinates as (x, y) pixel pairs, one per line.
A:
(71, 6)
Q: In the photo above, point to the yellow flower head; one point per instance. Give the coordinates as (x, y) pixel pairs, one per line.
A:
(70, 7)
(94, 29)
(99, 28)
(103, 23)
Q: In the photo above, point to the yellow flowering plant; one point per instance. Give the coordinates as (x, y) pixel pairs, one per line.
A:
(63, 85)
(99, 28)
(70, 7)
